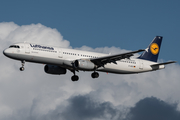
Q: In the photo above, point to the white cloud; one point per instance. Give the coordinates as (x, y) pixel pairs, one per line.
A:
(35, 33)
(24, 95)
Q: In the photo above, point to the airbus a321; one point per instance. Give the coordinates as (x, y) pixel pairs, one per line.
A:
(59, 60)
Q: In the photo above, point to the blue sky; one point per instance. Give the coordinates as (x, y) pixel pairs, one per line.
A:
(127, 24)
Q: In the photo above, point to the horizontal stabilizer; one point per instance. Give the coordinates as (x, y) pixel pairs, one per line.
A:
(165, 63)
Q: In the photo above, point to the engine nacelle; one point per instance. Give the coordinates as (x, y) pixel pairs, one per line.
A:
(84, 65)
(53, 69)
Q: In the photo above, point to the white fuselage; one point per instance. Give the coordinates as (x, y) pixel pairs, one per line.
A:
(62, 57)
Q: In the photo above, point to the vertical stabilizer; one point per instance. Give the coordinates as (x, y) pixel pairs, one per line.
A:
(152, 52)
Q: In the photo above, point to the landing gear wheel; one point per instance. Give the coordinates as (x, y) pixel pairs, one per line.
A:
(21, 68)
(74, 78)
(95, 75)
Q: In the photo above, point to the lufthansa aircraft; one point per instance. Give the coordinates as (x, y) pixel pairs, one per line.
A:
(59, 60)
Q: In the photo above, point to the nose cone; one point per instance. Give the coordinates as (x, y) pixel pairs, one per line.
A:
(10, 53)
(5, 52)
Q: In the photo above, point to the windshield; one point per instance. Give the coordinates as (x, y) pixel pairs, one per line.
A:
(14, 46)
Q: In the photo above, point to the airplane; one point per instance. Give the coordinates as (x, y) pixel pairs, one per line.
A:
(59, 60)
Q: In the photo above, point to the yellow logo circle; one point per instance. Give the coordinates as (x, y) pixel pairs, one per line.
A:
(154, 48)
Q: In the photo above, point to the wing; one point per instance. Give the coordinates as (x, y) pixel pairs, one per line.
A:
(101, 61)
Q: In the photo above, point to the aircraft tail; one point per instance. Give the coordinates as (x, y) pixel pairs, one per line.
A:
(152, 52)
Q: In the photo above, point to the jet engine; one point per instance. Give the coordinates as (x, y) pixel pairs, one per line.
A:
(84, 65)
(53, 69)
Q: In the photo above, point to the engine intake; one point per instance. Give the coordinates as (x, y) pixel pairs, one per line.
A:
(84, 65)
(53, 69)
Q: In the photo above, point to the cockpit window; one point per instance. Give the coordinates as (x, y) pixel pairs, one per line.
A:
(14, 46)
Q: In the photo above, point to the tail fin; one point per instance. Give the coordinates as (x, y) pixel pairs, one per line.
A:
(152, 52)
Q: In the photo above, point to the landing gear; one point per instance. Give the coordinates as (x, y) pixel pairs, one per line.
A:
(74, 77)
(95, 75)
(22, 68)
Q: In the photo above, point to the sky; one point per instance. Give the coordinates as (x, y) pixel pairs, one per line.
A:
(102, 26)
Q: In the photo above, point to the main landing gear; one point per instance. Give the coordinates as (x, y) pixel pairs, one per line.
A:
(74, 77)
(95, 75)
(22, 68)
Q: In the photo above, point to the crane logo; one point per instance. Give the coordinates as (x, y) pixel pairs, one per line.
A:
(154, 48)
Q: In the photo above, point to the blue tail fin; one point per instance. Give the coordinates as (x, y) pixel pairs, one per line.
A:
(151, 53)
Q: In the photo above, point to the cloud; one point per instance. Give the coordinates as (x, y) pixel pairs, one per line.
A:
(153, 109)
(33, 94)
(82, 107)
(34, 33)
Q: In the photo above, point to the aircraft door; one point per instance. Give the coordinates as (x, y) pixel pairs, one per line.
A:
(141, 64)
(27, 48)
(60, 53)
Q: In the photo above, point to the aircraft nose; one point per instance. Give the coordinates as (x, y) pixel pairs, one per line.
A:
(5, 52)
(9, 53)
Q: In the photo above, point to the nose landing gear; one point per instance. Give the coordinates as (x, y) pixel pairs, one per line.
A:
(22, 68)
